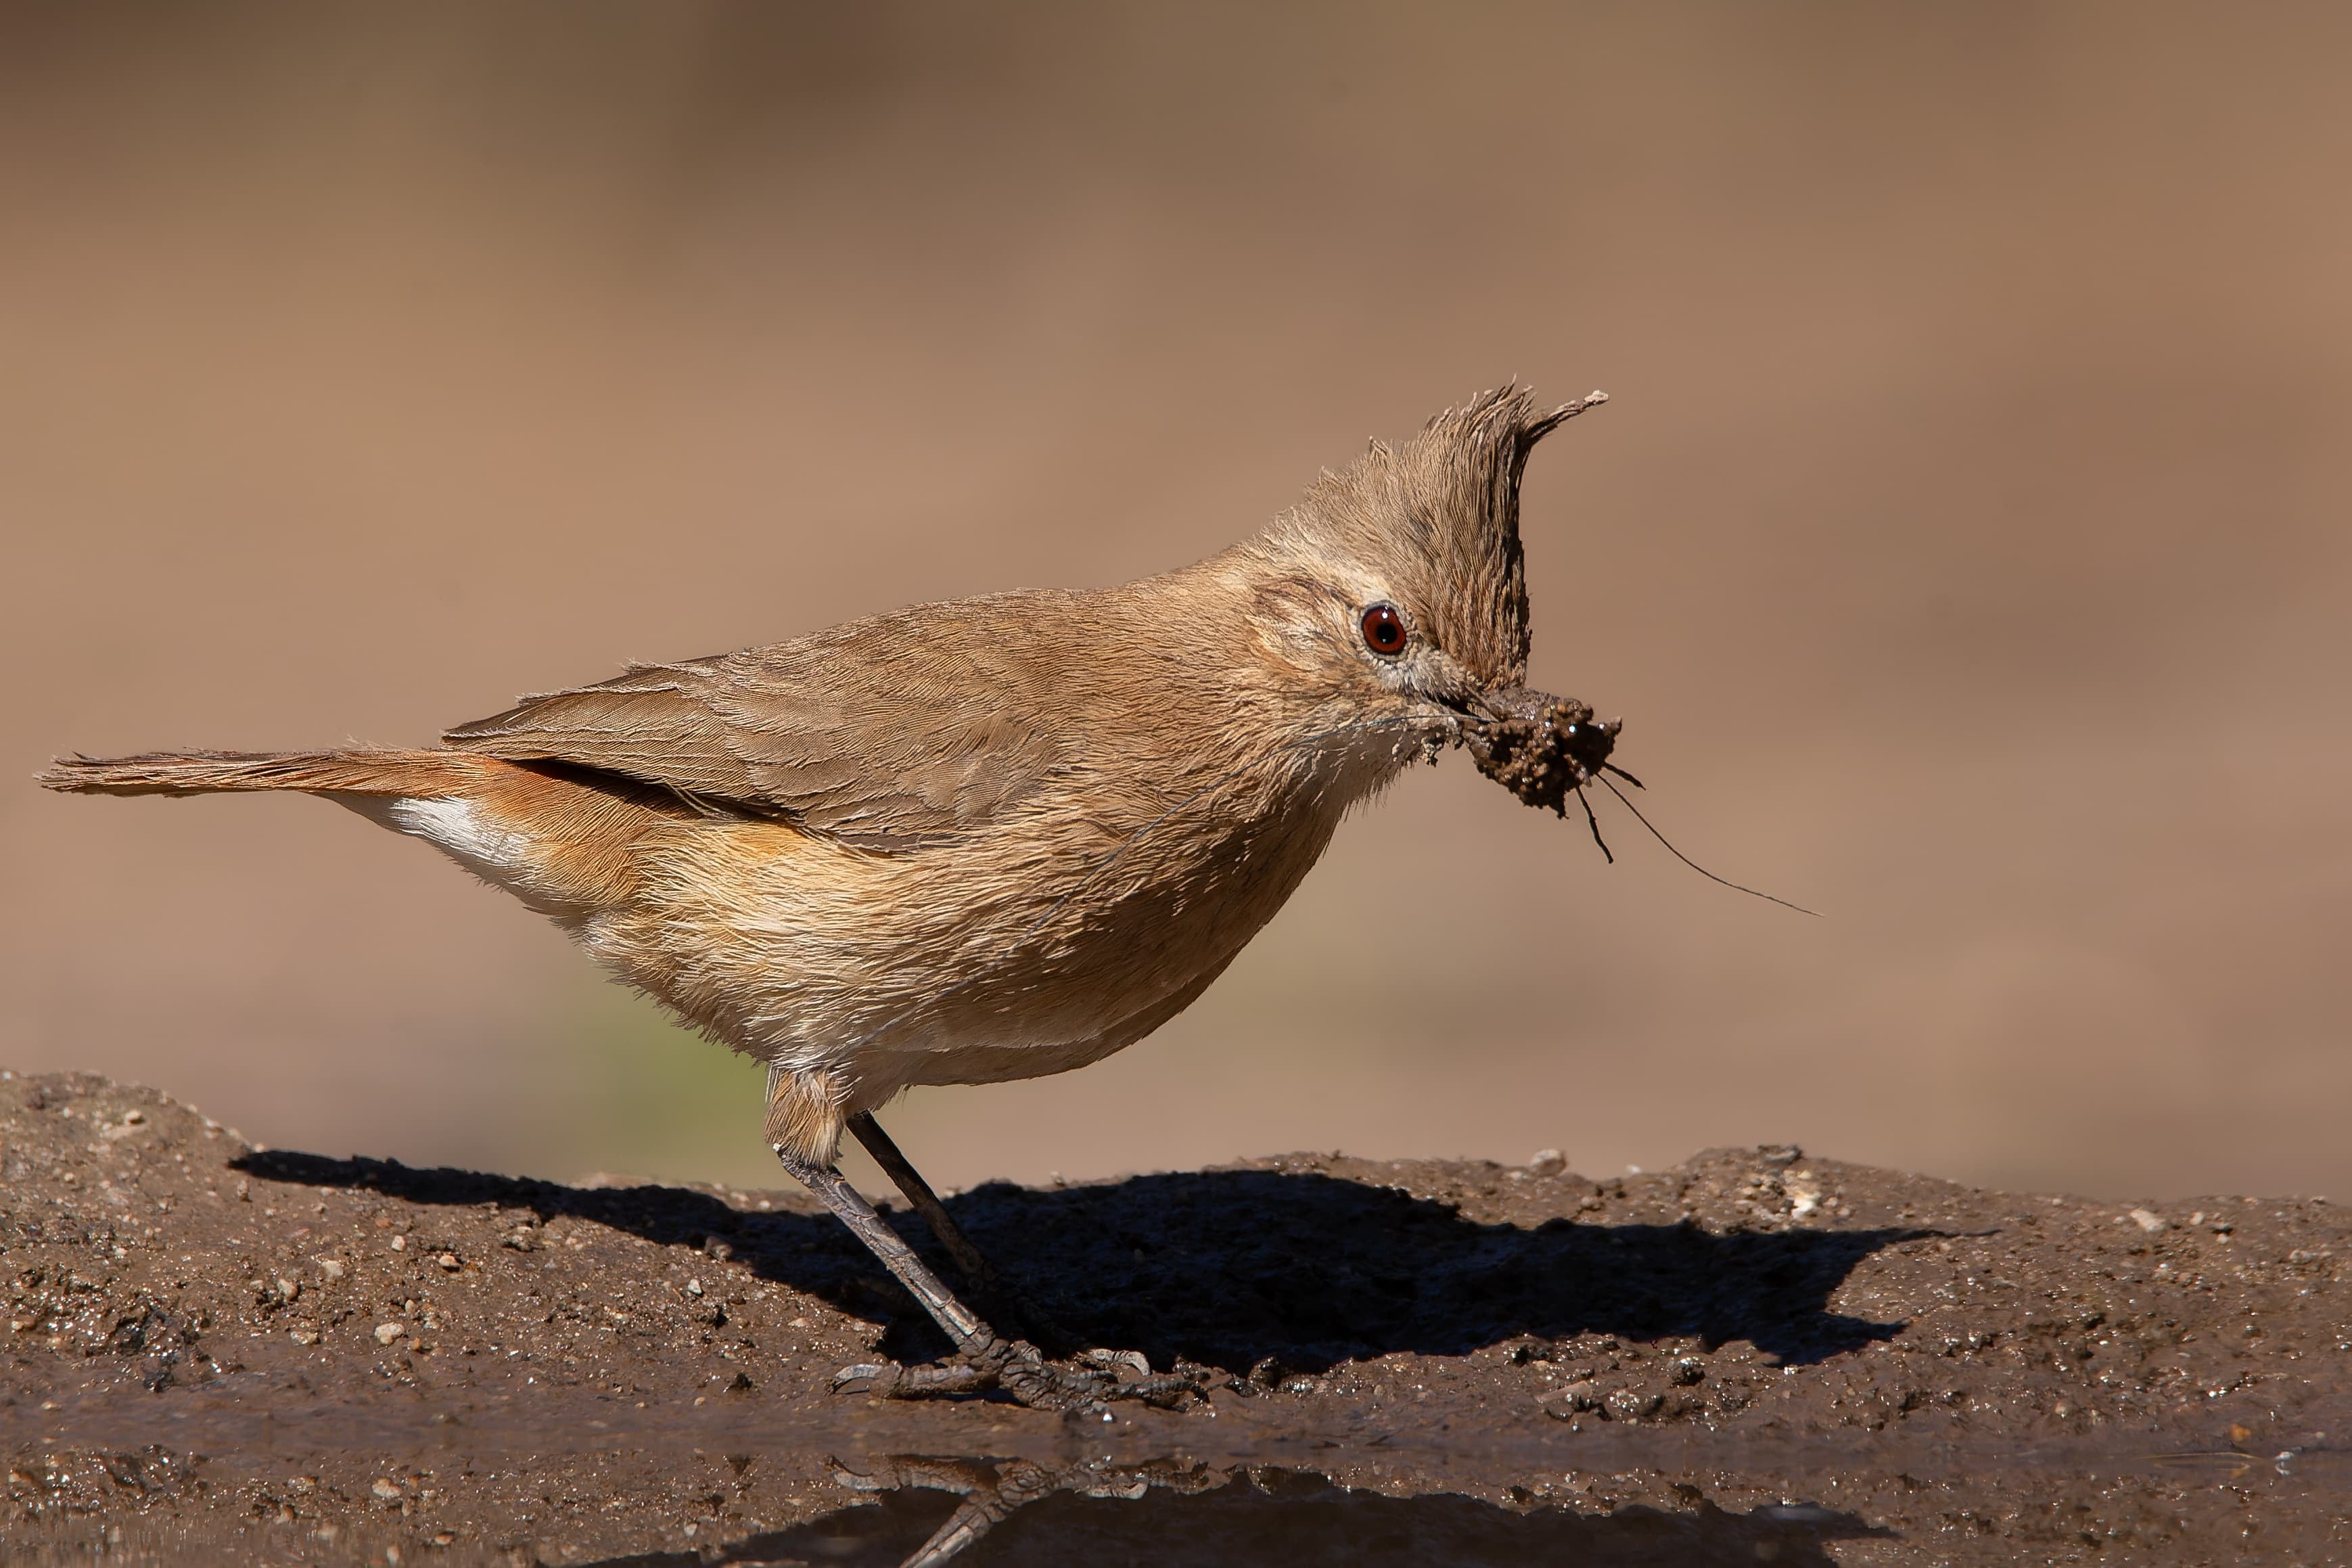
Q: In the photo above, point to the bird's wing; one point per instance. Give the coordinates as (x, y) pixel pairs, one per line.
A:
(884, 735)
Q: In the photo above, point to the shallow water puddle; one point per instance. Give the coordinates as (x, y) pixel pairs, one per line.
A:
(573, 1476)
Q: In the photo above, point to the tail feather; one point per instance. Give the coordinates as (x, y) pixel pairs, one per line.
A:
(419, 775)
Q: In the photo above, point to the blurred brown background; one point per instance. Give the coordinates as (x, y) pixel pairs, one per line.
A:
(1966, 544)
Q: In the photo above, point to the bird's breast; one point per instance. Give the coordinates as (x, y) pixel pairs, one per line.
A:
(1044, 935)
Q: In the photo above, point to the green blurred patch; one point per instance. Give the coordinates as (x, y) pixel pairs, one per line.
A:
(655, 1099)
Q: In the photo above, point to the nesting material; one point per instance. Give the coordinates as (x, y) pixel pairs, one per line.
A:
(1539, 747)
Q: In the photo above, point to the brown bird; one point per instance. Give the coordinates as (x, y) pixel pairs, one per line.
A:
(987, 839)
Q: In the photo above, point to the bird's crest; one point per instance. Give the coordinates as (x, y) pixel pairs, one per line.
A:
(1441, 512)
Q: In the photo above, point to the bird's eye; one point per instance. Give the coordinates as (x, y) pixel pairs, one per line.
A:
(1384, 630)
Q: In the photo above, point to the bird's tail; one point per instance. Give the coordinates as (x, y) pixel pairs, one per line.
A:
(563, 846)
(417, 774)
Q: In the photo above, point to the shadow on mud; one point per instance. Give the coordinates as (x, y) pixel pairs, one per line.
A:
(934, 1510)
(1235, 1269)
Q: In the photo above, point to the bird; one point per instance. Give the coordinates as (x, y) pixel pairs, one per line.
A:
(983, 839)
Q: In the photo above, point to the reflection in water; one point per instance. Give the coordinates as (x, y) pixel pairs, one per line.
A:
(1177, 1511)
(493, 1491)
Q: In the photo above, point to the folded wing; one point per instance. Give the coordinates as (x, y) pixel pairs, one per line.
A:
(886, 735)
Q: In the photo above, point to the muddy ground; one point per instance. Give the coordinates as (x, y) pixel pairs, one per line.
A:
(213, 1349)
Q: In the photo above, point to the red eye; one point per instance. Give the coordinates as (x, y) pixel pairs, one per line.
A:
(1384, 629)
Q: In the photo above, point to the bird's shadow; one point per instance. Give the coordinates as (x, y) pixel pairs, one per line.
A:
(1239, 1268)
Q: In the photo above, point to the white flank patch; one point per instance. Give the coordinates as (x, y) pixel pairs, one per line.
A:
(457, 827)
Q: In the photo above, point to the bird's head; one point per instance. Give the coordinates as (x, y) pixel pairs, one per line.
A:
(1395, 593)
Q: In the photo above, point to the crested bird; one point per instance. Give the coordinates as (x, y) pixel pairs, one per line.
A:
(985, 840)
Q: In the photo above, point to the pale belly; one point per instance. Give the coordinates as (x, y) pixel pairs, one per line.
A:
(949, 968)
(969, 964)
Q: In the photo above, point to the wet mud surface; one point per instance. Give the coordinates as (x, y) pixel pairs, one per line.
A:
(217, 1352)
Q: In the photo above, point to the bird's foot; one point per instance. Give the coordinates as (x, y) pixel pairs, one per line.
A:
(1017, 1367)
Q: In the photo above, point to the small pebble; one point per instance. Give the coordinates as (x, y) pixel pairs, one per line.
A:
(385, 1488)
(448, 1261)
(1804, 1193)
(1547, 1162)
(133, 1118)
(2149, 1222)
(1635, 1403)
(400, 1244)
(387, 1333)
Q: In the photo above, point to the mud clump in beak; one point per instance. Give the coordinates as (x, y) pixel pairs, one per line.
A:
(1542, 748)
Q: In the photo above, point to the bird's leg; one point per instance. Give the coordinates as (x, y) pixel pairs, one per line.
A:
(972, 1337)
(985, 1359)
(901, 1170)
(994, 1291)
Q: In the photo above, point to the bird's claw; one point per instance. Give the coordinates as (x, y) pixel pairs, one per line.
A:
(1112, 1361)
(1019, 1369)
